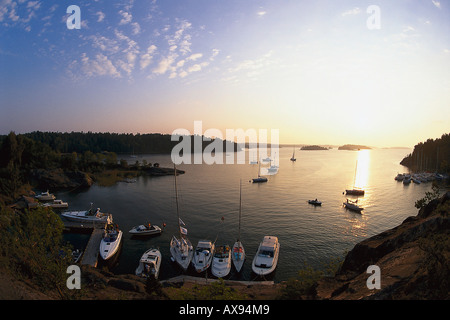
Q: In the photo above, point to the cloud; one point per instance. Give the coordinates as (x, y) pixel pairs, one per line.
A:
(194, 56)
(100, 66)
(351, 12)
(146, 59)
(437, 4)
(136, 28)
(164, 64)
(126, 17)
(101, 16)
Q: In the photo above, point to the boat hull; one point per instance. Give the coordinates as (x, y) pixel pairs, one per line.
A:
(262, 264)
(153, 256)
(148, 232)
(109, 249)
(353, 207)
(202, 258)
(181, 251)
(238, 256)
(355, 192)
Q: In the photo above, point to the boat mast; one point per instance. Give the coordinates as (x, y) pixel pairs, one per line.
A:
(240, 210)
(176, 199)
(354, 178)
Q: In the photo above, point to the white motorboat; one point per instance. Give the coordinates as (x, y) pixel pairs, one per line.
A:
(351, 205)
(315, 202)
(180, 248)
(88, 216)
(149, 264)
(266, 258)
(238, 255)
(45, 196)
(145, 230)
(203, 255)
(221, 262)
(110, 242)
(57, 204)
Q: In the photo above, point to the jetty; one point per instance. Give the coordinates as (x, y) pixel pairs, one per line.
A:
(199, 280)
(90, 254)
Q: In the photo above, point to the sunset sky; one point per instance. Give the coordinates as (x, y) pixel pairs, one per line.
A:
(314, 70)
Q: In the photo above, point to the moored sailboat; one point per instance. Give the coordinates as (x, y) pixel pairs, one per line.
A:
(180, 248)
(238, 255)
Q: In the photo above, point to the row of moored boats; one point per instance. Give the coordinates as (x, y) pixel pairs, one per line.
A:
(219, 258)
(418, 178)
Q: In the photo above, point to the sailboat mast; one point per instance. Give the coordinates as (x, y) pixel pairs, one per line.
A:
(356, 168)
(240, 210)
(176, 199)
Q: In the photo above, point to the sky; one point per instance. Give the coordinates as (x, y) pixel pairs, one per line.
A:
(319, 72)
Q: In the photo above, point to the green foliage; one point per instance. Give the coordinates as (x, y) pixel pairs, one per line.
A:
(431, 155)
(217, 290)
(303, 285)
(429, 196)
(32, 243)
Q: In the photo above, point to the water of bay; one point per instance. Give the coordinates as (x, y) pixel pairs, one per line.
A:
(209, 205)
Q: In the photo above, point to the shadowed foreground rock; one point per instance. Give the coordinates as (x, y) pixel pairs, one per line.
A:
(414, 260)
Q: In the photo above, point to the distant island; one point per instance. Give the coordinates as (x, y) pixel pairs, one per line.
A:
(315, 147)
(353, 147)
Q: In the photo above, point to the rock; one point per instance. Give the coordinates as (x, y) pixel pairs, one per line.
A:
(127, 285)
(60, 179)
(413, 261)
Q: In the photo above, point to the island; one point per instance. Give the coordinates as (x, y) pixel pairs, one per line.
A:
(354, 147)
(314, 147)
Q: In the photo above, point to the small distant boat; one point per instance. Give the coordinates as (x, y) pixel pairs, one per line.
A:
(399, 177)
(351, 205)
(88, 216)
(315, 202)
(149, 264)
(356, 192)
(145, 230)
(203, 255)
(110, 242)
(266, 258)
(221, 263)
(407, 179)
(273, 167)
(293, 155)
(45, 196)
(56, 204)
(259, 179)
(266, 159)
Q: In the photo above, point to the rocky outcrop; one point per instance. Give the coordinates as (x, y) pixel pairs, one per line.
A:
(60, 179)
(413, 260)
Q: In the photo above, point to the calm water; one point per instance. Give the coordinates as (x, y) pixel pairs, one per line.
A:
(279, 207)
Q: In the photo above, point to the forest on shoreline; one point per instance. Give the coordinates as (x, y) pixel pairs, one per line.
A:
(431, 155)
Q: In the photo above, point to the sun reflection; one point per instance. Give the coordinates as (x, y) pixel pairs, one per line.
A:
(362, 169)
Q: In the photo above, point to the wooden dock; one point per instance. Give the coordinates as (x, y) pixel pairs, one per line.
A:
(90, 255)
